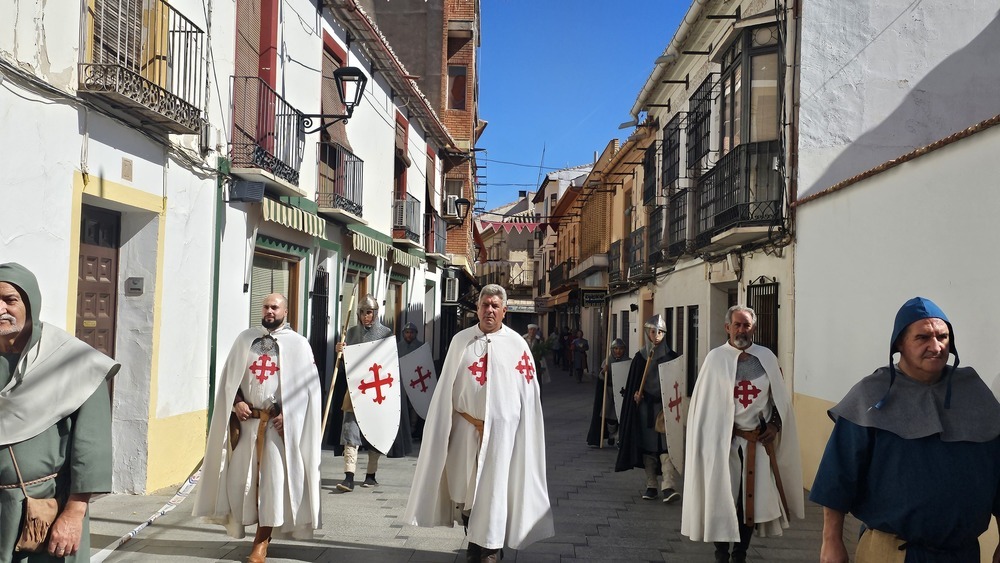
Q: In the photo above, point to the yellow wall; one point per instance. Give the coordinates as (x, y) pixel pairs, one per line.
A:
(176, 448)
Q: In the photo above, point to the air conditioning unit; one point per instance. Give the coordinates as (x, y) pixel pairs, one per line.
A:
(450, 290)
(243, 190)
(398, 213)
(450, 206)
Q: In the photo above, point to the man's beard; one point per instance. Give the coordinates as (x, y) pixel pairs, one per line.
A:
(271, 325)
(12, 328)
(741, 341)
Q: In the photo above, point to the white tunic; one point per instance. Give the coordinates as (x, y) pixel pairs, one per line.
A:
(709, 511)
(502, 480)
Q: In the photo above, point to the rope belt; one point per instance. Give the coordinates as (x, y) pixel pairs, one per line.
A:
(752, 436)
(475, 422)
(32, 482)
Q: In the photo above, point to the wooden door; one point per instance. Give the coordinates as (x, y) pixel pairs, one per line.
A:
(97, 294)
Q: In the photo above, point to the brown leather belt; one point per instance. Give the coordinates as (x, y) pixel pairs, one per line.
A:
(752, 436)
(475, 422)
(264, 415)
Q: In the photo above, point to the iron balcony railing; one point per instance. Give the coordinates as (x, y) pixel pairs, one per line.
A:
(559, 275)
(615, 262)
(341, 176)
(743, 189)
(435, 237)
(649, 188)
(637, 252)
(677, 233)
(266, 132)
(147, 57)
(406, 217)
(541, 285)
(654, 252)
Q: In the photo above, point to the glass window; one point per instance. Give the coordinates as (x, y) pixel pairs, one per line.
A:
(457, 87)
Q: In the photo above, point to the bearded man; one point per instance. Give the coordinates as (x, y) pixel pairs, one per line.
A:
(263, 452)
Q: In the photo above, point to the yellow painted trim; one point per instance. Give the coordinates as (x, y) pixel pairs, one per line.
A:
(814, 428)
(180, 442)
(169, 440)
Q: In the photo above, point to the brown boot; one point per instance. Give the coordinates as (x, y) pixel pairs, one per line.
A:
(489, 555)
(259, 553)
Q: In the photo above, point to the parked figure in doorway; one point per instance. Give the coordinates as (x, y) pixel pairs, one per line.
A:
(937, 423)
(55, 420)
(482, 461)
(604, 399)
(408, 342)
(368, 329)
(580, 350)
(743, 472)
(263, 451)
(642, 445)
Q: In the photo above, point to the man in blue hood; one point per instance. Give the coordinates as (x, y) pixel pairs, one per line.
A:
(914, 453)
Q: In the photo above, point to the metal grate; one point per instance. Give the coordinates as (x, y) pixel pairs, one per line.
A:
(762, 297)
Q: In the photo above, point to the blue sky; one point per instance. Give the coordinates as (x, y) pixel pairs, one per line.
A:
(561, 74)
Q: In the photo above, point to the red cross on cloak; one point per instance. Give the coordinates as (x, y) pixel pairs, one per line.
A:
(261, 369)
(478, 369)
(745, 392)
(525, 366)
(376, 383)
(420, 379)
(675, 403)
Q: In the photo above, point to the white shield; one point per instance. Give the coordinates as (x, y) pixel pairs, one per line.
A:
(673, 391)
(419, 378)
(619, 376)
(373, 381)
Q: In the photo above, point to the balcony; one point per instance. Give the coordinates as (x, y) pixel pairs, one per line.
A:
(649, 192)
(540, 288)
(145, 60)
(740, 198)
(267, 143)
(677, 235)
(560, 278)
(639, 268)
(435, 239)
(406, 221)
(654, 253)
(339, 189)
(615, 262)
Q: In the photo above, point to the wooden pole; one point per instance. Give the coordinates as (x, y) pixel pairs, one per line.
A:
(336, 363)
(645, 370)
(607, 375)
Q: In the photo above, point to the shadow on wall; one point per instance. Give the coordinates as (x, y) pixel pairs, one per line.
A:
(954, 95)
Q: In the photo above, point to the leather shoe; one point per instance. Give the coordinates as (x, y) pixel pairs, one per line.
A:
(259, 553)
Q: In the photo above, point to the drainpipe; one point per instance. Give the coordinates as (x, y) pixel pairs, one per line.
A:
(222, 169)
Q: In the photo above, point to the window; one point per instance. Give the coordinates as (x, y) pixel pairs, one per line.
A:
(699, 124)
(649, 175)
(625, 329)
(273, 274)
(679, 325)
(668, 319)
(457, 86)
(762, 297)
(751, 60)
(655, 221)
(692, 348)
(671, 166)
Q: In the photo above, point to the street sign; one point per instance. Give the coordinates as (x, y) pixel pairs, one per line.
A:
(594, 298)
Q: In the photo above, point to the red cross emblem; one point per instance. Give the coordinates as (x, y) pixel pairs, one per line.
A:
(675, 403)
(420, 379)
(478, 369)
(377, 382)
(525, 367)
(261, 369)
(745, 392)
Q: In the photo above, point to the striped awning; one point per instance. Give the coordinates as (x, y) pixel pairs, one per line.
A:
(294, 218)
(370, 245)
(404, 258)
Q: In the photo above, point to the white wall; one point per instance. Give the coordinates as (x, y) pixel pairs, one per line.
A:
(927, 228)
(881, 78)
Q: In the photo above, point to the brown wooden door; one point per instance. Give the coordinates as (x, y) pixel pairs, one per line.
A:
(97, 294)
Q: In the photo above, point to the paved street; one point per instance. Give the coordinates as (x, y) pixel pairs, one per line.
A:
(599, 514)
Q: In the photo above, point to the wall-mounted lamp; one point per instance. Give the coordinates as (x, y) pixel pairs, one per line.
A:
(462, 206)
(350, 83)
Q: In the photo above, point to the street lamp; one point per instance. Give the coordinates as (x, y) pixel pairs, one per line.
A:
(350, 83)
(462, 208)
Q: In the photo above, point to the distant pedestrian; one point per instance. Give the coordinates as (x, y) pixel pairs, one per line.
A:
(914, 453)
(642, 445)
(263, 451)
(580, 349)
(742, 467)
(555, 344)
(567, 348)
(604, 402)
(482, 461)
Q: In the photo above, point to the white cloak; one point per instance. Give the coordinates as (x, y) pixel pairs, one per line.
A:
(709, 512)
(300, 407)
(508, 493)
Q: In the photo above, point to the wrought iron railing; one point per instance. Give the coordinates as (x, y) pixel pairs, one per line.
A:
(341, 176)
(559, 275)
(649, 187)
(149, 58)
(266, 132)
(615, 262)
(743, 189)
(654, 239)
(541, 285)
(637, 252)
(406, 217)
(435, 237)
(677, 230)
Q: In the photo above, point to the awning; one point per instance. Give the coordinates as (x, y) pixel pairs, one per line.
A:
(367, 243)
(294, 218)
(404, 258)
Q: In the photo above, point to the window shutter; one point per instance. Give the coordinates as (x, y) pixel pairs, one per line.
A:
(330, 103)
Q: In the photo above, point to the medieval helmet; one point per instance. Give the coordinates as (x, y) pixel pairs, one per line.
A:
(368, 303)
(409, 326)
(657, 323)
(618, 343)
